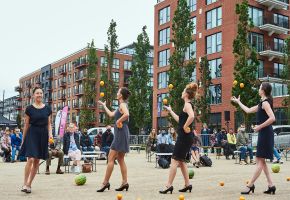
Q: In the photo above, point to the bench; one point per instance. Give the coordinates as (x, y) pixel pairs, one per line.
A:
(238, 153)
(157, 156)
(135, 147)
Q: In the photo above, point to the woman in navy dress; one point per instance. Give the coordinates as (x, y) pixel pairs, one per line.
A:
(36, 133)
(120, 144)
(184, 139)
(265, 145)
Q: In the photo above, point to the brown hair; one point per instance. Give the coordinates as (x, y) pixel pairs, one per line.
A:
(191, 90)
(267, 88)
(36, 88)
(125, 93)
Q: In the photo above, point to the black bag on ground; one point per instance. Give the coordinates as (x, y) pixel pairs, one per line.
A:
(205, 161)
(163, 163)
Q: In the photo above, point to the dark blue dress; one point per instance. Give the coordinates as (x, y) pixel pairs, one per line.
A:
(35, 144)
(184, 140)
(265, 143)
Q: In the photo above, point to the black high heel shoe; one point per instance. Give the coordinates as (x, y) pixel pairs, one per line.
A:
(104, 187)
(170, 189)
(250, 189)
(271, 190)
(189, 187)
(123, 187)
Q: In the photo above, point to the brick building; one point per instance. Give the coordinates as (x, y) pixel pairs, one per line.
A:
(215, 29)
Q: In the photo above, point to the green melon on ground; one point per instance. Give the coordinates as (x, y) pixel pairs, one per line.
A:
(80, 179)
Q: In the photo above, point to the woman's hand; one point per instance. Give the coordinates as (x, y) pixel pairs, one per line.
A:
(168, 108)
(235, 100)
(257, 128)
(102, 103)
(186, 129)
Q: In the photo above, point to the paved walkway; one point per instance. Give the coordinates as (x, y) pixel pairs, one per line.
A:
(145, 181)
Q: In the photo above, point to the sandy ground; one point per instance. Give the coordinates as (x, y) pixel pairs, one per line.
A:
(145, 181)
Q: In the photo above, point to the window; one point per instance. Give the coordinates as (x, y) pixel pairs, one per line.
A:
(257, 41)
(192, 5)
(116, 77)
(102, 118)
(260, 72)
(214, 18)
(281, 20)
(162, 122)
(278, 70)
(256, 15)
(164, 15)
(191, 51)
(116, 63)
(214, 43)
(215, 120)
(127, 64)
(193, 76)
(115, 104)
(164, 36)
(160, 105)
(103, 61)
(150, 84)
(215, 92)
(150, 70)
(215, 67)
(69, 66)
(194, 25)
(279, 89)
(210, 1)
(279, 44)
(163, 79)
(163, 58)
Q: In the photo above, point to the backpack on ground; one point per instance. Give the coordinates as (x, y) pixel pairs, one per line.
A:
(205, 161)
(163, 163)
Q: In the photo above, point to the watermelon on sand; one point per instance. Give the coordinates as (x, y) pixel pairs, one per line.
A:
(80, 179)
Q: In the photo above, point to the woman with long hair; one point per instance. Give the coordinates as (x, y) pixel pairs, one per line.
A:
(265, 145)
(184, 139)
(120, 144)
(36, 133)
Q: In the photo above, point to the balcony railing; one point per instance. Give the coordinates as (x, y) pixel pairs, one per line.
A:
(18, 89)
(28, 85)
(274, 25)
(49, 77)
(79, 92)
(274, 4)
(61, 72)
(271, 50)
(63, 84)
(62, 97)
(80, 63)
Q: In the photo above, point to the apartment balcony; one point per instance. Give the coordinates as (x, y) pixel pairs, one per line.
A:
(18, 89)
(18, 108)
(28, 95)
(63, 84)
(38, 81)
(62, 72)
(49, 77)
(272, 26)
(79, 77)
(274, 4)
(76, 106)
(48, 88)
(79, 92)
(28, 85)
(18, 98)
(62, 97)
(80, 63)
(272, 51)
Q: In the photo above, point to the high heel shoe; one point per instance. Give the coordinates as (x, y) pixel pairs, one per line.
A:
(189, 187)
(271, 190)
(104, 187)
(170, 189)
(123, 187)
(249, 189)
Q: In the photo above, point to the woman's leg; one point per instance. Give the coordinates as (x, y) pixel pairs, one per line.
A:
(172, 172)
(194, 156)
(197, 155)
(123, 167)
(27, 170)
(184, 172)
(111, 158)
(33, 171)
(266, 171)
(258, 170)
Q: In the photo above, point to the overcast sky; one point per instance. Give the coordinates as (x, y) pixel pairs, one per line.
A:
(34, 33)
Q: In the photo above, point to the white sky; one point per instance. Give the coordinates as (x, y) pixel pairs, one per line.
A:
(34, 33)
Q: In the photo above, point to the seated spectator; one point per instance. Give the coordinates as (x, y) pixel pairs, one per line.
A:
(195, 150)
(107, 139)
(232, 141)
(71, 147)
(16, 140)
(162, 138)
(213, 140)
(6, 145)
(86, 143)
(243, 145)
(172, 136)
(223, 142)
(277, 156)
(152, 141)
(55, 151)
(98, 140)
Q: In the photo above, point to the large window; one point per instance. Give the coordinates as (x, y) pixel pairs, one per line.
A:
(279, 89)
(214, 43)
(194, 25)
(256, 15)
(214, 18)
(257, 41)
(210, 1)
(116, 77)
(103, 61)
(192, 5)
(127, 64)
(281, 20)
(279, 45)
(116, 63)
(164, 15)
(191, 51)
(163, 58)
(278, 70)
(260, 72)
(164, 36)
(215, 92)
(160, 104)
(215, 67)
(163, 79)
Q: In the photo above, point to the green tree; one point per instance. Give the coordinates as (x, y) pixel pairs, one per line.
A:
(110, 87)
(180, 72)
(87, 113)
(203, 102)
(247, 63)
(139, 80)
(286, 76)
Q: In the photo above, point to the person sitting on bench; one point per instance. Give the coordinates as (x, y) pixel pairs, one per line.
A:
(86, 143)
(55, 151)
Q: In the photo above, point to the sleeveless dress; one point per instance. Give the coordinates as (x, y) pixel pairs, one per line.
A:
(265, 143)
(121, 135)
(35, 144)
(184, 140)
